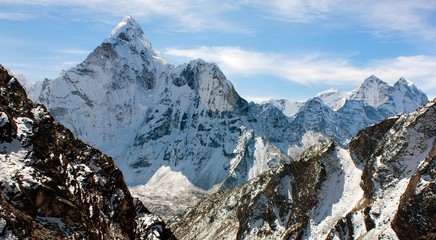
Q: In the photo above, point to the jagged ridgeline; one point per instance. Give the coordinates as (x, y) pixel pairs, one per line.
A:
(383, 187)
(54, 186)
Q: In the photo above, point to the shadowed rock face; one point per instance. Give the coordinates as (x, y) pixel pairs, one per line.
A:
(55, 186)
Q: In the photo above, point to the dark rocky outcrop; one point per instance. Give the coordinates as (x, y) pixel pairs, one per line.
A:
(54, 186)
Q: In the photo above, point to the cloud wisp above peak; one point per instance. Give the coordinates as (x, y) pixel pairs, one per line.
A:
(402, 18)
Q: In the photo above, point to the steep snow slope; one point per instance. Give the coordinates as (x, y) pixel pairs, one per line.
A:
(54, 186)
(403, 97)
(381, 188)
(289, 108)
(373, 92)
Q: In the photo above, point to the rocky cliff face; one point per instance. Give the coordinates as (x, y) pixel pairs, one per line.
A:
(381, 188)
(54, 186)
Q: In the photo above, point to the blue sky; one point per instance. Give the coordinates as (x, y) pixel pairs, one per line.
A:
(268, 49)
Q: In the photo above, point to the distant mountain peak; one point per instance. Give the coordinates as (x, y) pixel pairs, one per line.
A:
(403, 82)
(373, 80)
(373, 91)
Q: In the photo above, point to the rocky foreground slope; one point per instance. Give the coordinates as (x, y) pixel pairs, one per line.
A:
(383, 187)
(54, 186)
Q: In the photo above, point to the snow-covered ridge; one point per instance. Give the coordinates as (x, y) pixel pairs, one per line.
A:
(402, 97)
(340, 115)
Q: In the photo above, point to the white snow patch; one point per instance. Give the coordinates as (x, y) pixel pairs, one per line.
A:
(341, 191)
(289, 108)
(168, 189)
(3, 119)
(334, 98)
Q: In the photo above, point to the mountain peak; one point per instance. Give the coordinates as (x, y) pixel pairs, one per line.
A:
(403, 82)
(127, 25)
(372, 79)
(373, 91)
(129, 30)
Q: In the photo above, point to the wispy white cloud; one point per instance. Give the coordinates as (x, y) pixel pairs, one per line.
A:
(395, 18)
(15, 16)
(187, 15)
(405, 19)
(72, 51)
(398, 18)
(315, 68)
(294, 10)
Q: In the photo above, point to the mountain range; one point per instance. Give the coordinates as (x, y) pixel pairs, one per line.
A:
(187, 124)
(180, 132)
(381, 187)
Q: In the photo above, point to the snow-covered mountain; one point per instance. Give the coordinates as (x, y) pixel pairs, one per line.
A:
(381, 188)
(160, 121)
(53, 186)
(340, 115)
(402, 97)
(178, 131)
